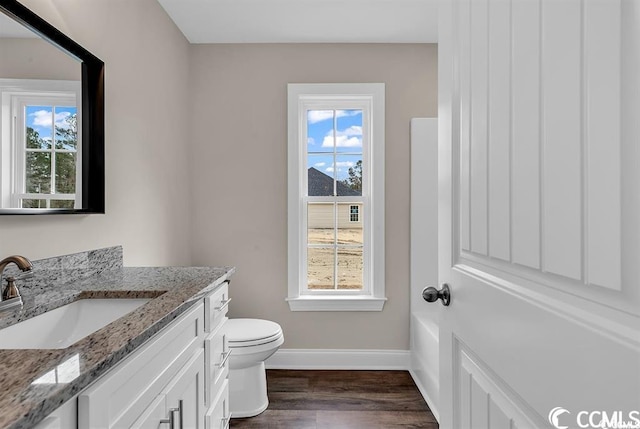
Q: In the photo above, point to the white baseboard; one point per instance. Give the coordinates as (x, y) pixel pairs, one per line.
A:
(339, 359)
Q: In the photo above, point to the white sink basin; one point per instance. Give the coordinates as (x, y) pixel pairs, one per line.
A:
(66, 325)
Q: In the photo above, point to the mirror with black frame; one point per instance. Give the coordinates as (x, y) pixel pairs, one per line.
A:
(51, 119)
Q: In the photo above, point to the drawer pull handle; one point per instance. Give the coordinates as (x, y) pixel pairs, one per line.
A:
(224, 423)
(225, 358)
(180, 413)
(223, 304)
(172, 420)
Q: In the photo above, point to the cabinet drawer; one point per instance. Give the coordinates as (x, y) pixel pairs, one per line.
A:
(118, 398)
(216, 351)
(216, 306)
(218, 416)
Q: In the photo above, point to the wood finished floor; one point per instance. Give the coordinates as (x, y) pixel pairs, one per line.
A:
(341, 400)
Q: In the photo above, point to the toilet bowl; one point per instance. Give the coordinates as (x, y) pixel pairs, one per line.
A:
(251, 342)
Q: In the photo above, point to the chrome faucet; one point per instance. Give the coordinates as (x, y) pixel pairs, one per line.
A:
(10, 294)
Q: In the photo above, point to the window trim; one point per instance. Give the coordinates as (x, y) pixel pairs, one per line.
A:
(19, 104)
(373, 96)
(13, 94)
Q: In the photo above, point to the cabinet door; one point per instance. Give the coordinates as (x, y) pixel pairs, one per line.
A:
(216, 358)
(120, 397)
(186, 394)
(154, 416)
(218, 416)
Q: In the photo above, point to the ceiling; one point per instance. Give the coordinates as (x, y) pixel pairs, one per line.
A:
(305, 21)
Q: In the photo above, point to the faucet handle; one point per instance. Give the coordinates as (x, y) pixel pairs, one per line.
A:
(11, 290)
(25, 275)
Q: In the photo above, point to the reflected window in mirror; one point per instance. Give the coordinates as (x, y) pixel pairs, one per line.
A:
(43, 168)
(51, 119)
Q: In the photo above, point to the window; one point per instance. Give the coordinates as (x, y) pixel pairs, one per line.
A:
(354, 214)
(40, 148)
(336, 197)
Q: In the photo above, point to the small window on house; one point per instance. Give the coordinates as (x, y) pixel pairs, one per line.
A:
(354, 214)
(336, 194)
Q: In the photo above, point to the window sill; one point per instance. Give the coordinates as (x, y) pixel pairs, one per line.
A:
(336, 303)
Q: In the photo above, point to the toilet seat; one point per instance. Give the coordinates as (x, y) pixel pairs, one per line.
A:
(243, 333)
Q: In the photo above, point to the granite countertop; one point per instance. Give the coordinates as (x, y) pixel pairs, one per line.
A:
(26, 399)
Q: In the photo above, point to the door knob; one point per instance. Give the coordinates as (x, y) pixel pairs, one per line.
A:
(431, 294)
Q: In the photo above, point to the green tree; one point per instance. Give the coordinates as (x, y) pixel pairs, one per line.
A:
(67, 136)
(67, 139)
(354, 181)
(38, 164)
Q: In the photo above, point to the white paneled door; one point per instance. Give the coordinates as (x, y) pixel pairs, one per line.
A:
(539, 215)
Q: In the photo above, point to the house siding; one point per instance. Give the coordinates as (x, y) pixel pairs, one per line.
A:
(321, 216)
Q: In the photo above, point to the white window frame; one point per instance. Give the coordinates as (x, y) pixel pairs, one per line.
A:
(304, 97)
(14, 95)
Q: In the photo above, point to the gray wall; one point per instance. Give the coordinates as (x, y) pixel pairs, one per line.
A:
(36, 59)
(146, 84)
(239, 160)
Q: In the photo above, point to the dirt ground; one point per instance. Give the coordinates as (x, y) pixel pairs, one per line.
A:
(320, 261)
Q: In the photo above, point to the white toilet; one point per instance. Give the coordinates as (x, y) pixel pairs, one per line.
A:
(251, 342)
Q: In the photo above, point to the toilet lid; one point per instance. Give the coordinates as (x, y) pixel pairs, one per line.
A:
(250, 332)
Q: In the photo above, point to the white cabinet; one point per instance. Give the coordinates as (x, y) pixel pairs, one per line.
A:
(153, 415)
(181, 404)
(218, 416)
(66, 416)
(217, 354)
(185, 395)
(216, 306)
(169, 382)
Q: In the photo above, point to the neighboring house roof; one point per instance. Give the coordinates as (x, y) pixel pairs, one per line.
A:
(322, 185)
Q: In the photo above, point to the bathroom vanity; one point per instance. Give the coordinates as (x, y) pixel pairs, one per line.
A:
(164, 362)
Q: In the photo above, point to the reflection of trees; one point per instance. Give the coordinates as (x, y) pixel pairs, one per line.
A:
(38, 164)
(67, 137)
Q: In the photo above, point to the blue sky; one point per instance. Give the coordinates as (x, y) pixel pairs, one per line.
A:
(41, 118)
(320, 140)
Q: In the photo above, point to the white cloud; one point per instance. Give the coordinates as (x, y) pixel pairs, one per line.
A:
(353, 130)
(311, 141)
(341, 166)
(345, 164)
(319, 164)
(315, 116)
(342, 141)
(42, 118)
(350, 137)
